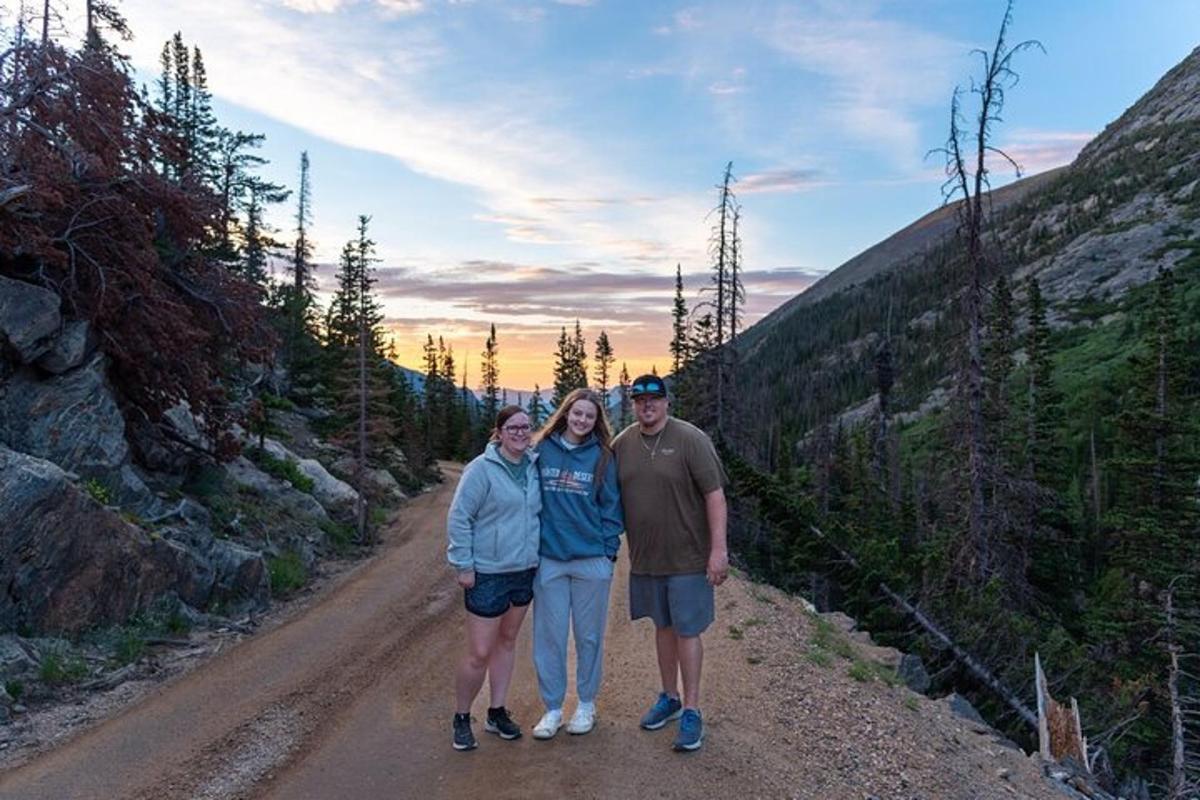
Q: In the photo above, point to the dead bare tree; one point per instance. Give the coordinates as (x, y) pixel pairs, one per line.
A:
(1185, 705)
(967, 185)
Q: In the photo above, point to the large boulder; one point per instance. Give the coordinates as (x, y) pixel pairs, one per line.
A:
(29, 318)
(379, 484)
(338, 497)
(70, 348)
(73, 420)
(66, 562)
(274, 492)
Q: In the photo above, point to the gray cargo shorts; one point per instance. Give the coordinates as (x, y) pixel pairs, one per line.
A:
(682, 602)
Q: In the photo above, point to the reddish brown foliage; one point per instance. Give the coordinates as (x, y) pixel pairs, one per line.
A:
(116, 240)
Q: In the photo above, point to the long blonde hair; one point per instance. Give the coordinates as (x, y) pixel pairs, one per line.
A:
(557, 422)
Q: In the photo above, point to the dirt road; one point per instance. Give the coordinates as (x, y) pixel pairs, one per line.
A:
(352, 699)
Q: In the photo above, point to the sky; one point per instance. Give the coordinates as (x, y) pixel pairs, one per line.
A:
(530, 163)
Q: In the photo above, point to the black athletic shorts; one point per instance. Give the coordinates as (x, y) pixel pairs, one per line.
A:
(493, 594)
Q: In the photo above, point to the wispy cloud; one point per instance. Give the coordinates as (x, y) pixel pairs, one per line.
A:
(373, 87)
(781, 180)
(395, 8)
(880, 72)
(1038, 151)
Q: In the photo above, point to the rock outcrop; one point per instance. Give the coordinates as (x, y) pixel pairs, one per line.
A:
(65, 583)
(73, 420)
(29, 318)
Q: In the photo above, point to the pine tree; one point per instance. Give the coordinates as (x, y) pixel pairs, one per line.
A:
(604, 362)
(679, 327)
(490, 377)
(1043, 402)
(626, 401)
(578, 362)
(564, 369)
(358, 373)
(432, 421)
(536, 408)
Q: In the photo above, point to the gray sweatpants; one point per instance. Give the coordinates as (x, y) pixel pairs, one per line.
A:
(571, 593)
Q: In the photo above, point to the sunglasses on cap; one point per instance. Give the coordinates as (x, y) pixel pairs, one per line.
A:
(649, 387)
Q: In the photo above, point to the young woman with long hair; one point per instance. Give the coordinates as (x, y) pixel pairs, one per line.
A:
(493, 533)
(581, 529)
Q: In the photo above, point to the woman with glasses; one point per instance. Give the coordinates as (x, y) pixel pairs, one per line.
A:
(493, 530)
(581, 534)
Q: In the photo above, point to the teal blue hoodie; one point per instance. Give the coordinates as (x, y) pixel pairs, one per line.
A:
(493, 525)
(579, 520)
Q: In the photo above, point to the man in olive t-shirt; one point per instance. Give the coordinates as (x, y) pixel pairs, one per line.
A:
(672, 492)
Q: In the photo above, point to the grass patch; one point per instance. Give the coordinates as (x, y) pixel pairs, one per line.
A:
(98, 491)
(754, 622)
(283, 469)
(828, 636)
(378, 516)
(912, 703)
(287, 573)
(761, 596)
(130, 646)
(735, 633)
(59, 667)
(15, 689)
(861, 671)
(754, 660)
(821, 658)
(865, 671)
(341, 535)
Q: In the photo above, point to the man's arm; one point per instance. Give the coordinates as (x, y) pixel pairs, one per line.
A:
(718, 552)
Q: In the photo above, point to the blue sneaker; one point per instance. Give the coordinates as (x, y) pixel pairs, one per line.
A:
(691, 731)
(665, 709)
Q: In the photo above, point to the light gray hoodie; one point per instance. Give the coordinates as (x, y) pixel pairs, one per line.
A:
(493, 524)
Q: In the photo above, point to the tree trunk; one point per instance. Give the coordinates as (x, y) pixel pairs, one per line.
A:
(1178, 785)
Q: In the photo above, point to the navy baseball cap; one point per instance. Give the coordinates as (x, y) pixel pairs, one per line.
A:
(651, 385)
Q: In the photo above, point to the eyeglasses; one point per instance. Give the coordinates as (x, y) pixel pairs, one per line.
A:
(515, 429)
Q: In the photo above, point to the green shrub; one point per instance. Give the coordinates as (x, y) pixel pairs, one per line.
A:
(287, 573)
(341, 536)
(59, 667)
(15, 689)
(278, 403)
(735, 633)
(129, 646)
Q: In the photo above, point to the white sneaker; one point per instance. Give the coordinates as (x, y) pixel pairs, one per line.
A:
(548, 725)
(583, 720)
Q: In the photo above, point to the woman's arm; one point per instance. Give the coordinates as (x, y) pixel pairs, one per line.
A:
(612, 519)
(460, 521)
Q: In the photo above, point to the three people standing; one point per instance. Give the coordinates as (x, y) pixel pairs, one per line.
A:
(662, 482)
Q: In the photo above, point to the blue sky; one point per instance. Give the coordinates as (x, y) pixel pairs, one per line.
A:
(529, 163)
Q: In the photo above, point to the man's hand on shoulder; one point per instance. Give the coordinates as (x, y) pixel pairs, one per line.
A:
(718, 567)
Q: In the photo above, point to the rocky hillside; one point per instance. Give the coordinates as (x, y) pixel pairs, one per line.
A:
(111, 524)
(1128, 205)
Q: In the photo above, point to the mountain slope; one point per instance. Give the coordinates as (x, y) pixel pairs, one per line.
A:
(1089, 232)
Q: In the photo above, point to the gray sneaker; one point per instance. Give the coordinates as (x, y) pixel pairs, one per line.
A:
(691, 731)
(665, 709)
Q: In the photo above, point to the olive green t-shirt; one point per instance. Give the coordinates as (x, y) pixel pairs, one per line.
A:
(663, 480)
